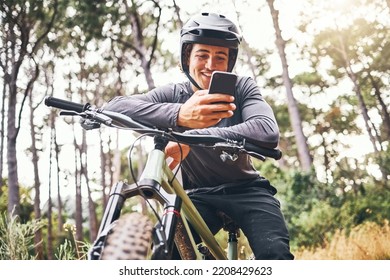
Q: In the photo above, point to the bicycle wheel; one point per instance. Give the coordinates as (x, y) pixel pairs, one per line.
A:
(129, 239)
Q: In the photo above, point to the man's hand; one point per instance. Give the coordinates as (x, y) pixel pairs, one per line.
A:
(205, 110)
(173, 151)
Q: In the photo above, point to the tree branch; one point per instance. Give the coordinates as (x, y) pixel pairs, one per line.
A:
(26, 92)
(155, 39)
(49, 27)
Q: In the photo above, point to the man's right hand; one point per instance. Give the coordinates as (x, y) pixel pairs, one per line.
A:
(204, 110)
(176, 152)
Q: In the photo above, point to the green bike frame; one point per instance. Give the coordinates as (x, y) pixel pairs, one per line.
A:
(157, 169)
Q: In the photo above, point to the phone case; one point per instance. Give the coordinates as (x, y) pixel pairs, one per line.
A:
(223, 82)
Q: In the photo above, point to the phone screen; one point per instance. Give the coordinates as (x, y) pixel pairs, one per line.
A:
(223, 82)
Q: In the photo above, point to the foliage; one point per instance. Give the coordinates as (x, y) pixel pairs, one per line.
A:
(368, 241)
(66, 251)
(17, 239)
(316, 211)
(26, 202)
(71, 249)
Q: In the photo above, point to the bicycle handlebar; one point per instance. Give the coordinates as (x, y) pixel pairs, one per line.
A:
(108, 118)
(66, 105)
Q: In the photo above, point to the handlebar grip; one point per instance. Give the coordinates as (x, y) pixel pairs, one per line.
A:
(267, 152)
(65, 104)
(275, 154)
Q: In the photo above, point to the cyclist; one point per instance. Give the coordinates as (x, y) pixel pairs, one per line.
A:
(210, 42)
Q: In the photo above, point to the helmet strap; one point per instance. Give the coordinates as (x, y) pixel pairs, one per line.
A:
(192, 79)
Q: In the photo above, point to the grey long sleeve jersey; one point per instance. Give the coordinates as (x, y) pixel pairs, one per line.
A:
(253, 120)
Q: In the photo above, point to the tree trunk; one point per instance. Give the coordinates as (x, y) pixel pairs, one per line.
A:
(37, 182)
(50, 237)
(356, 87)
(370, 128)
(78, 200)
(116, 160)
(383, 108)
(295, 118)
(141, 49)
(17, 27)
(91, 205)
(59, 199)
(14, 56)
(12, 133)
(177, 12)
(2, 126)
(103, 178)
(139, 45)
(141, 165)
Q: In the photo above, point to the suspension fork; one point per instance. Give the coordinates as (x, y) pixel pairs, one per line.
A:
(149, 186)
(111, 214)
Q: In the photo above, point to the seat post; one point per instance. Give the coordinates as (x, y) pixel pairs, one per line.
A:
(232, 245)
(233, 231)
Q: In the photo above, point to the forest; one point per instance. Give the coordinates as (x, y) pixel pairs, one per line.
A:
(323, 66)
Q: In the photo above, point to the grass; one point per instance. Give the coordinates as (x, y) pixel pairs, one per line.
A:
(368, 241)
(16, 239)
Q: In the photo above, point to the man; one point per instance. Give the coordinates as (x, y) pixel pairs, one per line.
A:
(209, 42)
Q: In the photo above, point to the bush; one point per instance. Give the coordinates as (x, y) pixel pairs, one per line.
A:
(368, 241)
(316, 211)
(17, 239)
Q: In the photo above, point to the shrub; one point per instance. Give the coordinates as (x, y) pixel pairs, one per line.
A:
(17, 239)
(368, 241)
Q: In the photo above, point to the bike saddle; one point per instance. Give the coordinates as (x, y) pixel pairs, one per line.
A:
(229, 224)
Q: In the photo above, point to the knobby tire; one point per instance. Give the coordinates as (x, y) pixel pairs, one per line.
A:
(129, 239)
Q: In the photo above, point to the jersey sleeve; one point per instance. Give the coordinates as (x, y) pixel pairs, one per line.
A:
(157, 108)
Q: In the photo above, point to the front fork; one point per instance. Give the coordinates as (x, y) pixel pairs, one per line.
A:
(148, 187)
(111, 214)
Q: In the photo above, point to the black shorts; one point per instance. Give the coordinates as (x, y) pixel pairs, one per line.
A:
(256, 211)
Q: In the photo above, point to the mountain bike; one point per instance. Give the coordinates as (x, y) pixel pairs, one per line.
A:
(131, 236)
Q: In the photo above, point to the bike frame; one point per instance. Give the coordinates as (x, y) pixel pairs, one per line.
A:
(160, 183)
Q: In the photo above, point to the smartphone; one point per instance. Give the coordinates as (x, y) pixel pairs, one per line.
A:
(223, 82)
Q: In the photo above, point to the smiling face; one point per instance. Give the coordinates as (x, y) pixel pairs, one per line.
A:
(204, 60)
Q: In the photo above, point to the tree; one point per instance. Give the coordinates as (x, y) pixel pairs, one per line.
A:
(142, 46)
(295, 118)
(25, 28)
(37, 182)
(357, 52)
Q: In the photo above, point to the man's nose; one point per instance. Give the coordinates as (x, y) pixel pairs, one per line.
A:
(211, 63)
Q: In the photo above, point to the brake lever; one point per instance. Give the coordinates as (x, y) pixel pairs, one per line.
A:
(256, 155)
(99, 117)
(91, 119)
(68, 113)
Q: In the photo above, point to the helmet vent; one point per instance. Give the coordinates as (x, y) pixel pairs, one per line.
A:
(212, 14)
(195, 32)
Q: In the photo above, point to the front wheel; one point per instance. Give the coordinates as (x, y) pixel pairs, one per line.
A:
(129, 239)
